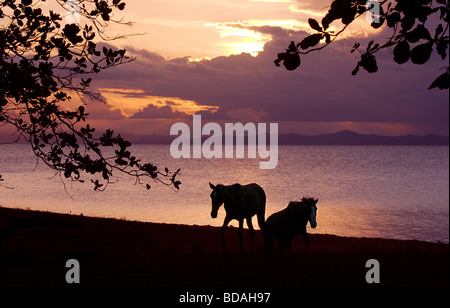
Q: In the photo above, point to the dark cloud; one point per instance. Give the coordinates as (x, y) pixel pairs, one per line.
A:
(322, 89)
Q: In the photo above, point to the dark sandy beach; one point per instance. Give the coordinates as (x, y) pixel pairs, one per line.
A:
(35, 246)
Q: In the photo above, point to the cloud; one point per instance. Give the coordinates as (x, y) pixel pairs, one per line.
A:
(98, 108)
(122, 91)
(247, 88)
(247, 115)
(161, 112)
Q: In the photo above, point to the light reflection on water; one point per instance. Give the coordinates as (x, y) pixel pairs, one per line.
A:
(372, 191)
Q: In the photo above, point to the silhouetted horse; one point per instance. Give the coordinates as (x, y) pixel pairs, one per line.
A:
(241, 202)
(290, 222)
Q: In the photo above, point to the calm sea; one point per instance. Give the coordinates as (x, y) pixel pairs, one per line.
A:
(399, 192)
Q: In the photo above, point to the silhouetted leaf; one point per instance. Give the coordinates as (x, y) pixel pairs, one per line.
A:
(369, 63)
(326, 21)
(438, 31)
(401, 52)
(355, 47)
(417, 34)
(314, 25)
(71, 32)
(356, 70)
(177, 184)
(292, 47)
(378, 22)
(442, 82)
(408, 22)
(67, 173)
(348, 15)
(292, 61)
(441, 48)
(421, 53)
(311, 41)
(393, 19)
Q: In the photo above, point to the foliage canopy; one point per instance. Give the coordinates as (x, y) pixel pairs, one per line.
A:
(412, 38)
(43, 61)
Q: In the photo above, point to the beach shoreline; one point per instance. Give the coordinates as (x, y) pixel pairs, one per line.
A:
(35, 246)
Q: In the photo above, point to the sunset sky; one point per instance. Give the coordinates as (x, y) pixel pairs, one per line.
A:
(216, 57)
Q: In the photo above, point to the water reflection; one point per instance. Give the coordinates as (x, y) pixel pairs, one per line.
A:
(391, 192)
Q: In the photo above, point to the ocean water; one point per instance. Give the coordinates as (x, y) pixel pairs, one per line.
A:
(399, 192)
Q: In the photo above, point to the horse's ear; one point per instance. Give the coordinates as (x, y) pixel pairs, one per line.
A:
(212, 186)
(317, 200)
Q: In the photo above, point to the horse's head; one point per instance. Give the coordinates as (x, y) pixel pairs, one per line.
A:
(312, 210)
(217, 198)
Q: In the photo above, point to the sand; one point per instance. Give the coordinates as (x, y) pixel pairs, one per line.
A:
(35, 246)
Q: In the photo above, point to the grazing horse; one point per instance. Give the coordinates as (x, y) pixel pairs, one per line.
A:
(240, 202)
(290, 222)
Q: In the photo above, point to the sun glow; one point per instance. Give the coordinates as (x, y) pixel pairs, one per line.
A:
(252, 48)
(243, 36)
(238, 38)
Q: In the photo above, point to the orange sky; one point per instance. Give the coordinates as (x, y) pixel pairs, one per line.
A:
(211, 28)
(189, 59)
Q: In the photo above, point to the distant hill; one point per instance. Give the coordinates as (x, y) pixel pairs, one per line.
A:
(345, 137)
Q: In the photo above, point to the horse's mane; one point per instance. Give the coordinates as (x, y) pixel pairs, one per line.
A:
(222, 186)
(304, 202)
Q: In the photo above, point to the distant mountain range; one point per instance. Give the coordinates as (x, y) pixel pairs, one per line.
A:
(345, 137)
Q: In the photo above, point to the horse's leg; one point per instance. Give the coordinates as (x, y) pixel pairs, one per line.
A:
(289, 245)
(281, 246)
(281, 243)
(224, 227)
(241, 228)
(269, 239)
(262, 226)
(252, 232)
(305, 236)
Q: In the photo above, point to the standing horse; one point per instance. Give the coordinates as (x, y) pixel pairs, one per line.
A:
(290, 222)
(240, 202)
